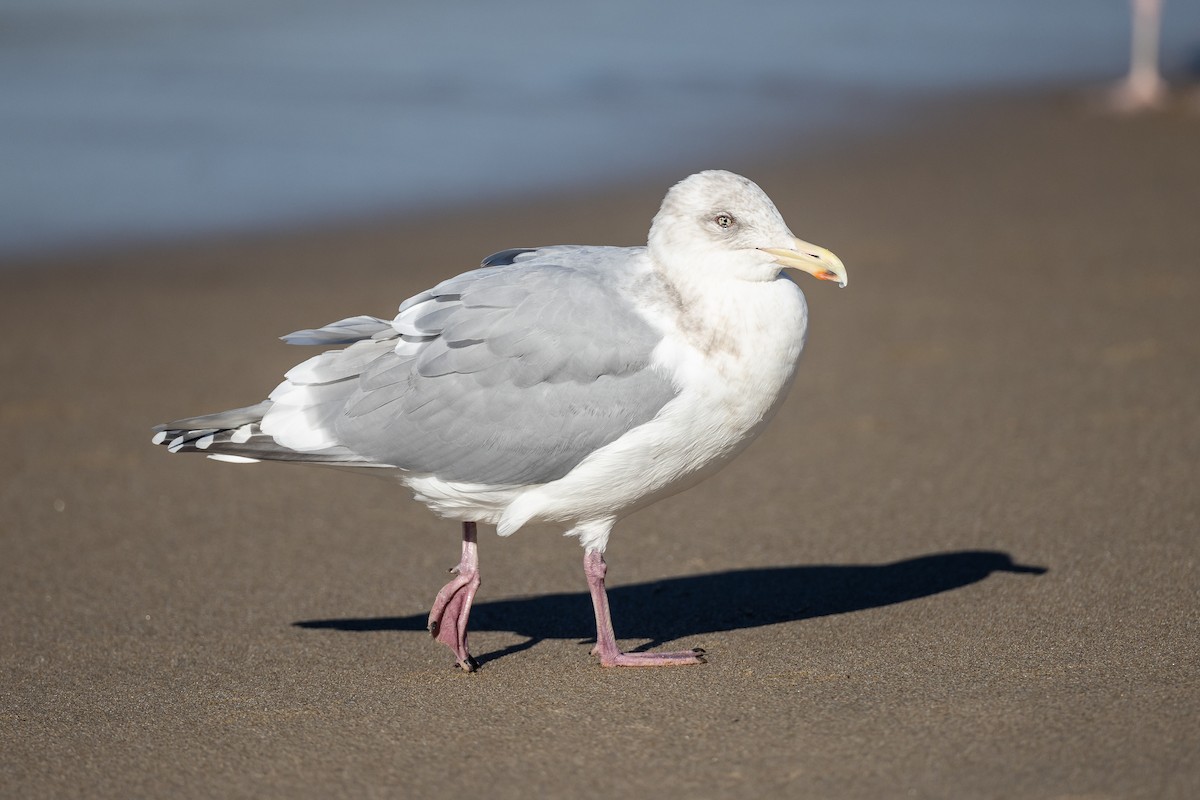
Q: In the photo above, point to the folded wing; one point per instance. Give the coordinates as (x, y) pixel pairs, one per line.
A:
(510, 374)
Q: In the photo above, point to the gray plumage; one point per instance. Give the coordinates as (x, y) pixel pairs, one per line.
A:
(344, 331)
(506, 375)
(233, 418)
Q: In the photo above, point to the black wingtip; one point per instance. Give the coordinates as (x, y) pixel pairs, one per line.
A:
(506, 257)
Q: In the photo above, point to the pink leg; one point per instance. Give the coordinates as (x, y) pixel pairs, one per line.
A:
(606, 641)
(1143, 88)
(452, 607)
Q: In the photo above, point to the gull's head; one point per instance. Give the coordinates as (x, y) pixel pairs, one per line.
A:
(719, 223)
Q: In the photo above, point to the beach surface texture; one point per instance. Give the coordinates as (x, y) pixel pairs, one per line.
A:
(961, 563)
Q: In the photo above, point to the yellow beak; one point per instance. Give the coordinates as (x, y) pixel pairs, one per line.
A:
(816, 261)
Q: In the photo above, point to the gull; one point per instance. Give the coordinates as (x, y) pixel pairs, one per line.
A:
(566, 384)
(1143, 88)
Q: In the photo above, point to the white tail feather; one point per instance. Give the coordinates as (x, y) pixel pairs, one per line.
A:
(228, 459)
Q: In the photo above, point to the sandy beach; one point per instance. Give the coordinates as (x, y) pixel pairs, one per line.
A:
(961, 563)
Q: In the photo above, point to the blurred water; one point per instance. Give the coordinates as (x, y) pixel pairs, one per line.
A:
(128, 119)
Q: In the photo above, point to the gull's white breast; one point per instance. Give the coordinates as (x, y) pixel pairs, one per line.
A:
(732, 352)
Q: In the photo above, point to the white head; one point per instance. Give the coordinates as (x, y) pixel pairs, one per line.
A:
(722, 224)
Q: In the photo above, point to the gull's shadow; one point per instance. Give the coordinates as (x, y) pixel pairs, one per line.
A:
(675, 608)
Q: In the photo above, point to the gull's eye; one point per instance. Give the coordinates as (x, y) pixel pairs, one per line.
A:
(724, 221)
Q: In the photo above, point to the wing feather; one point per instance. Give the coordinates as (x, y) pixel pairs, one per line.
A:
(526, 369)
(510, 374)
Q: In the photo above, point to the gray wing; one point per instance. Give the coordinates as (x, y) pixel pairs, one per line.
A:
(510, 374)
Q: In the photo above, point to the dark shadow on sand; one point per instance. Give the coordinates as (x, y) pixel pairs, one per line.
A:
(676, 608)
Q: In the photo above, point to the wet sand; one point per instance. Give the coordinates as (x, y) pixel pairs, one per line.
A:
(961, 563)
